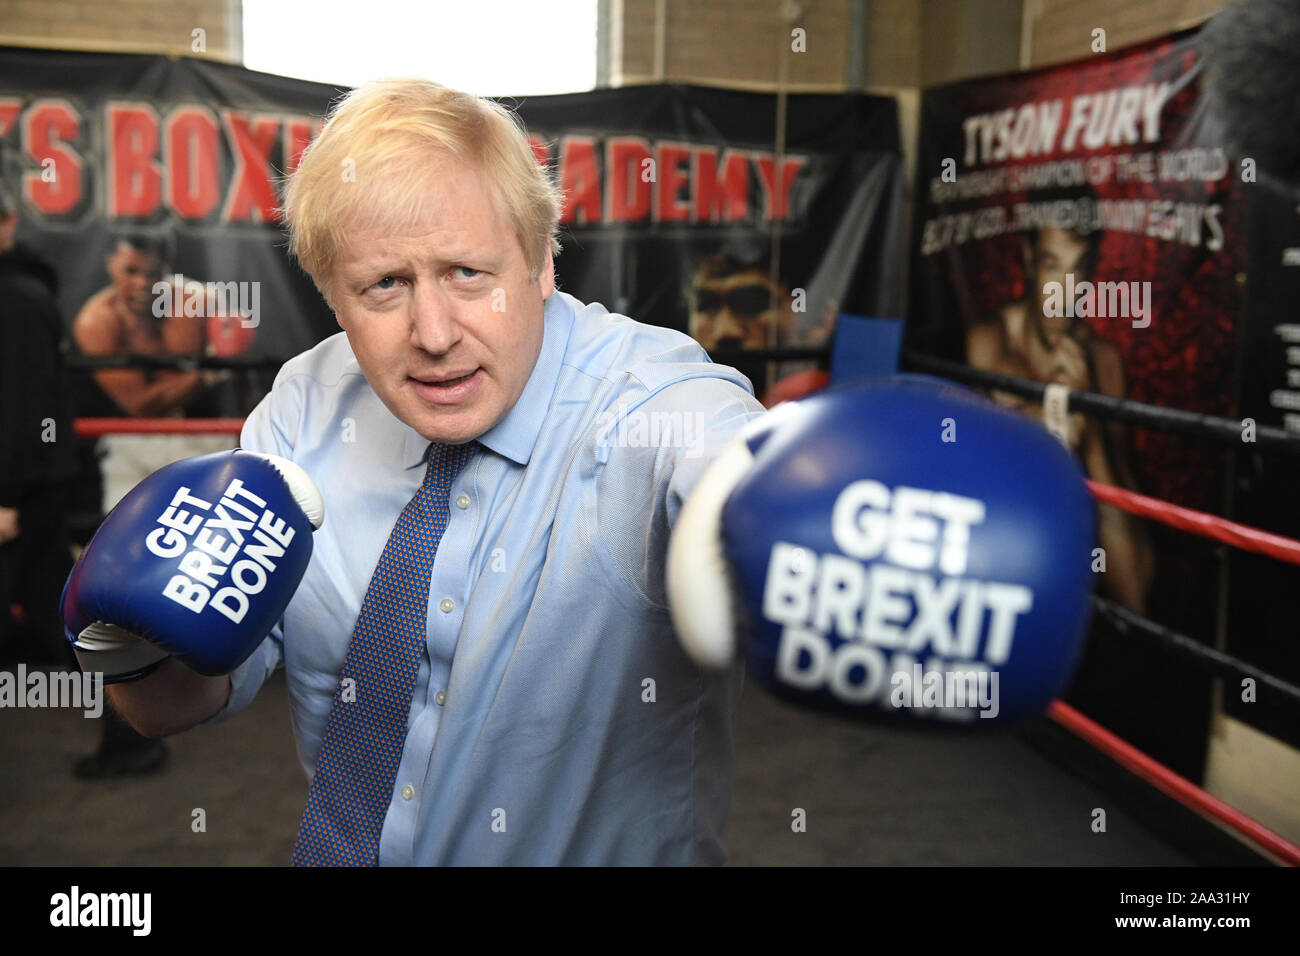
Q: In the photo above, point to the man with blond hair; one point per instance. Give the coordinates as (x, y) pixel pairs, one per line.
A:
(546, 712)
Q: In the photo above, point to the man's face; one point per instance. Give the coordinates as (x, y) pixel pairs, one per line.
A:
(444, 319)
(1057, 252)
(735, 311)
(134, 273)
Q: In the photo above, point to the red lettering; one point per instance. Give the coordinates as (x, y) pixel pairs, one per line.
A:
(541, 152)
(670, 208)
(47, 127)
(252, 197)
(192, 179)
(629, 188)
(580, 180)
(299, 131)
(722, 199)
(777, 200)
(134, 178)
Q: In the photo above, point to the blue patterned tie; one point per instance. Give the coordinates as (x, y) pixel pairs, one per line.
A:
(363, 740)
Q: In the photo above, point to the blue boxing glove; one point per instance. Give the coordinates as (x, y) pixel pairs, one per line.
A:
(901, 546)
(199, 560)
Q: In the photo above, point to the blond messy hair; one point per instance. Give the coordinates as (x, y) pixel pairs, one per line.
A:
(386, 135)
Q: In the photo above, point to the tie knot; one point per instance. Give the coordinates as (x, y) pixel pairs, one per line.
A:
(445, 463)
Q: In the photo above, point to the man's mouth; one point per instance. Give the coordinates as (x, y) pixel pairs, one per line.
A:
(447, 389)
(444, 381)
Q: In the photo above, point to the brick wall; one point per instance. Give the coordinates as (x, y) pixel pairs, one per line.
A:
(1060, 30)
(126, 26)
(733, 43)
(905, 43)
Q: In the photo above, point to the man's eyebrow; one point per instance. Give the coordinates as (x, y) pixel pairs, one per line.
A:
(368, 267)
(485, 259)
(457, 256)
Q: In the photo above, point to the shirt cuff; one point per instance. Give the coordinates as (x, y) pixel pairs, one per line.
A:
(247, 679)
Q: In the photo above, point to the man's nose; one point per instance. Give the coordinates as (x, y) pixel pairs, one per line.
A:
(726, 325)
(434, 322)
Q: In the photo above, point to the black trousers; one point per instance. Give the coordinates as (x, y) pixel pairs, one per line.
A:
(33, 569)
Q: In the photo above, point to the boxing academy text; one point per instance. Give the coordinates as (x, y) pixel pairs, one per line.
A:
(140, 160)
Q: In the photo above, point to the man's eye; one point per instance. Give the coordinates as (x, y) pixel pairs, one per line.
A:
(386, 283)
(467, 273)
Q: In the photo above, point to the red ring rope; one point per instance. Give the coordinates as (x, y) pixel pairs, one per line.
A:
(1199, 523)
(95, 427)
(1164, 779)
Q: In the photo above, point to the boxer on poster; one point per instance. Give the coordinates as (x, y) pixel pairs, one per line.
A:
(122, 320)
(1028, 338)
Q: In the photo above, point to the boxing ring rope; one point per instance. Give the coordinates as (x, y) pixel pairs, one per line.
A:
(1156, 773)
(1208, 659)
(1175, 420)
(1171, 784)
(1125, 621)
(98, 427)
(188, 362)
(1244, 537)
(1198, 522)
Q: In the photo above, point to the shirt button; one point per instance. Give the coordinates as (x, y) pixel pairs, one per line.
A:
(441, 698)
(447, 605)
(462, 502)
(408, 792)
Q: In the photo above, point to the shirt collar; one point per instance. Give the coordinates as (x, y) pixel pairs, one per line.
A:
(515, 436)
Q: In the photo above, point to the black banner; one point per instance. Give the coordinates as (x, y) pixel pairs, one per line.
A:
(678, 210)
(1115, 170)
(1083, 225)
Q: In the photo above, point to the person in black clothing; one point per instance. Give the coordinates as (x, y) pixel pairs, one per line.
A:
(38, 460)
(38, 472)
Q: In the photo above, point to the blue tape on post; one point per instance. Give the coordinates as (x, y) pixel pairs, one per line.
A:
(865, 347)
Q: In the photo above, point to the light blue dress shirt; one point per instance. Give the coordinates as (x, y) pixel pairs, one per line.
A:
(555, 718)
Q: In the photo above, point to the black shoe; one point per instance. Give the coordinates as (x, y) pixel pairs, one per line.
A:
(121, 762)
